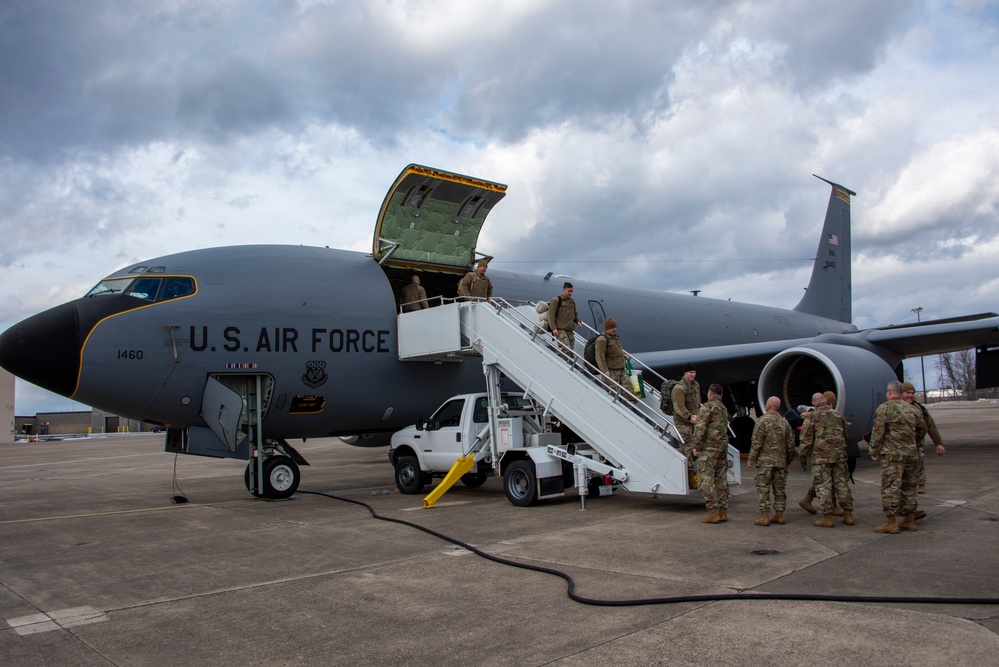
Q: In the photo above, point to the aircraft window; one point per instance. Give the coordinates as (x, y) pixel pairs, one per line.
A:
(110, 286)
(175, 288)
(145, 288)
(450, 413)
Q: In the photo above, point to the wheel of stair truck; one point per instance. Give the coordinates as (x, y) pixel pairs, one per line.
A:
(474, 480)
(408, 476)
(521, 483)
(281, 477)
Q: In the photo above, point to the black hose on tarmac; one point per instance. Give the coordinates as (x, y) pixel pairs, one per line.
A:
(666, 600)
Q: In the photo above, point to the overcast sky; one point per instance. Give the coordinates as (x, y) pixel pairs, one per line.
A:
(661, 144)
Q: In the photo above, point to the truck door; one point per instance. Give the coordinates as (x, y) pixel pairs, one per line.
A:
(442, 441)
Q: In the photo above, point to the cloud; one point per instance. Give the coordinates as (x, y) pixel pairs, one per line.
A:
(662, 145)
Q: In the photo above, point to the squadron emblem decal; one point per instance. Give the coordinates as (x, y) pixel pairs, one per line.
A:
(315, 374)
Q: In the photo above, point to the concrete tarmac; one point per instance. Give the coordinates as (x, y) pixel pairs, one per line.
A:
(99, 567)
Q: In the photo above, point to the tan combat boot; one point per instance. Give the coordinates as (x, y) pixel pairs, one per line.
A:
(888, 526)
(920, 514)
(921, 489)
(806, 502)
(909, 523)
(838, 511)
(847, 517)
(825, 522)
(712, 517)
(722, 514)
(778, 518)
(764, 520)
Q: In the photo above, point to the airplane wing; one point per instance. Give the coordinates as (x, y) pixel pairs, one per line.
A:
(724, 364)
(936, 337)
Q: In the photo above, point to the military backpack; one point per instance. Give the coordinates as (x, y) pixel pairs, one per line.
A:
(666, 396)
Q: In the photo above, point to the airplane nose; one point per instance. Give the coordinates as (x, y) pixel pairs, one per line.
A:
(45, 349)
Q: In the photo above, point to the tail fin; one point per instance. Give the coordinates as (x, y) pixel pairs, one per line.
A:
(829, 290)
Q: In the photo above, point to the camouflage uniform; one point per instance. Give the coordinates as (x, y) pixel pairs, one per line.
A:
(686, 402)
(610, 358)
(562, 316)
(898, 426)
(934, 433)
(711, 441)
(474, 285)
(772, 451)
(825, 432)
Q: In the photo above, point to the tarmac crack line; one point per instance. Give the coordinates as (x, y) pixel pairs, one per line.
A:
(135, 511)
(260, 584)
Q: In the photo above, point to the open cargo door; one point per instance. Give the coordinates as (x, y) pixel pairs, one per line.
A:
(431, 219)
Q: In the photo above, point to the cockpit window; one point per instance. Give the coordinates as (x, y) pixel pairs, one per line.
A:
(174, 288)
(145, 288)
(111, 286)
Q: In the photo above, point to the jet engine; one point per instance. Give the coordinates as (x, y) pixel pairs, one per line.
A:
(857, 376)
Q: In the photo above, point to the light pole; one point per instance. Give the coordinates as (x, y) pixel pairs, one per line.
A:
(917, 310)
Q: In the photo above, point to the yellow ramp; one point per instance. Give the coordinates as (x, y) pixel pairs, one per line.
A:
(460, 467)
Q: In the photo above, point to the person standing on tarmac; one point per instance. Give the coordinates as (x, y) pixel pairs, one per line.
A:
(562, 319)
(824, 437)
(611, 359)
(898, 426)
(710, 448)
(771, 455)
(829, 399)
(686, 397)
(475, 284)
(909, 396)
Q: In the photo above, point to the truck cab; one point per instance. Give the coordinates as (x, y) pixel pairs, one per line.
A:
(431, 447)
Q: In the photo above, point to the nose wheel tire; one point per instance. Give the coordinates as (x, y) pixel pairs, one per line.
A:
(281, 477)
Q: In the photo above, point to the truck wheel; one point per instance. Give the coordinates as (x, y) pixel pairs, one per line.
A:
(521, 483)
(408, 476)
(474, 480)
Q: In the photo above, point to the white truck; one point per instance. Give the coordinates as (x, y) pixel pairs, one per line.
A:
(456, 441)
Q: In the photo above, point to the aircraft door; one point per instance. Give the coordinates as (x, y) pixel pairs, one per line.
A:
(597, 310)
(222, 410)
(443, 440)
(230, 405)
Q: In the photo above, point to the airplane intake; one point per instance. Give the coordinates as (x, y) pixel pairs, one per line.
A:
(856, 375)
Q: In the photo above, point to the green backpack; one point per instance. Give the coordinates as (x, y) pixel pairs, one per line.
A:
(666, 398)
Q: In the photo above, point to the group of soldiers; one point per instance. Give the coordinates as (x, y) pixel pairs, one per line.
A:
(900, 424)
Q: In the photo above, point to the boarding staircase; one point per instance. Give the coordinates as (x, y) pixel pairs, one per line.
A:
(638, 446)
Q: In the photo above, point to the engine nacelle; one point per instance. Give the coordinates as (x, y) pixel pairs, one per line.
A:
(857, 376)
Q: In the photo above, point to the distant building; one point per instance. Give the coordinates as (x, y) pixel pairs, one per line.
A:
(6, 407)
(82, 422)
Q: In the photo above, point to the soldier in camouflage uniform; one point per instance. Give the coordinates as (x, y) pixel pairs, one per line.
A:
(771, 455)
(562, 319)
(710, 446)
(475, 284)
(909, 396)
(611, 359)
(898, 426)
(824, 437)
(686, 397)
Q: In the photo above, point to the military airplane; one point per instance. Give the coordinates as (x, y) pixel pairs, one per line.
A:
(301, 341)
